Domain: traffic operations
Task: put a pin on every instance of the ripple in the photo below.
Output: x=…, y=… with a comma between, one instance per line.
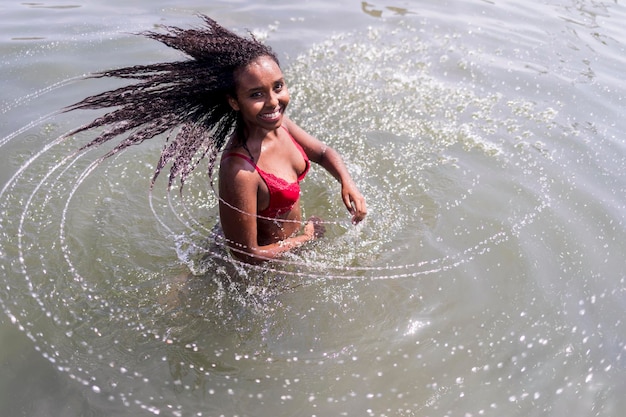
x=92, y=258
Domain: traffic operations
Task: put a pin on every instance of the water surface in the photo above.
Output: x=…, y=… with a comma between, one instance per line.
x=488, y=278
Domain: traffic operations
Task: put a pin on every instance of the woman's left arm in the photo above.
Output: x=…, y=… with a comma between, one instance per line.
x=330, y=159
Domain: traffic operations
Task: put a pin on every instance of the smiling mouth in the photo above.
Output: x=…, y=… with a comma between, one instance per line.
x=271, y=116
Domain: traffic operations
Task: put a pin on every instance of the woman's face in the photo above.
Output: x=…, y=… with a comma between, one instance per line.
x=262, y=95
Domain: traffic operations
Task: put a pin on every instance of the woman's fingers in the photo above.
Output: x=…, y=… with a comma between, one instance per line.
x=356, y=206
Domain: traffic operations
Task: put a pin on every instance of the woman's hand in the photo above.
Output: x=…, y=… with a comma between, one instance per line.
x=314, y=228
x=354, y=201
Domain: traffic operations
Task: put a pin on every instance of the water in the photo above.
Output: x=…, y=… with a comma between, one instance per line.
x=487, y=280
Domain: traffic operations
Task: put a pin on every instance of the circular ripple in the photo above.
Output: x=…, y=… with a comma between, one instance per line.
x=91, y=256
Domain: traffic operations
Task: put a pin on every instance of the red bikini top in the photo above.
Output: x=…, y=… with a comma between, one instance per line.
x=283, y=195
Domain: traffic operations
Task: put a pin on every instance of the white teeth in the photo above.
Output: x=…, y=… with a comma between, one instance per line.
x=271, y=115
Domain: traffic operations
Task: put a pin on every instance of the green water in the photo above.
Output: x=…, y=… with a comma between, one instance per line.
x=488, y=278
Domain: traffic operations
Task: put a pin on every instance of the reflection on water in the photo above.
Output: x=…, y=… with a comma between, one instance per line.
x=373, y=11
x=48, y=6
x=487, y=279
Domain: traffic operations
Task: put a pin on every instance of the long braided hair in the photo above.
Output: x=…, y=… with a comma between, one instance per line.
x=187, y=97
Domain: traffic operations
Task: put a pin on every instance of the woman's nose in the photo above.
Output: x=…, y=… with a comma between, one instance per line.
x=273, y=99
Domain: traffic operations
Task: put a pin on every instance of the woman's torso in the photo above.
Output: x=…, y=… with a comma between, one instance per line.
x=280, y=165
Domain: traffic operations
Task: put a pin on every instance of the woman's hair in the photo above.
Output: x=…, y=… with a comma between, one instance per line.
x=187, y=98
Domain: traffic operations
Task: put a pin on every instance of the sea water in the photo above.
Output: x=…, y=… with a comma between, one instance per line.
x=487, y=280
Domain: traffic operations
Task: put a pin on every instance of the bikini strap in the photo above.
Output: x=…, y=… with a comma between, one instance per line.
x=244, y=157
x=306, y=158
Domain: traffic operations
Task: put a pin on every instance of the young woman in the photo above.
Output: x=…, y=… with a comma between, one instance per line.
x=230, y=94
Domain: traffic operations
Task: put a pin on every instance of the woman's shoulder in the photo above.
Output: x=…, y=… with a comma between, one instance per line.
x=237, y=174
x=234, y=148
x=234, y=160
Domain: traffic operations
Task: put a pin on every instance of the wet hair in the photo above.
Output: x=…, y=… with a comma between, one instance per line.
x=188, y=99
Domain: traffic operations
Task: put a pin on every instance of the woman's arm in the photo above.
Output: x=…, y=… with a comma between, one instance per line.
x=330, y=159
x=238, y=188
